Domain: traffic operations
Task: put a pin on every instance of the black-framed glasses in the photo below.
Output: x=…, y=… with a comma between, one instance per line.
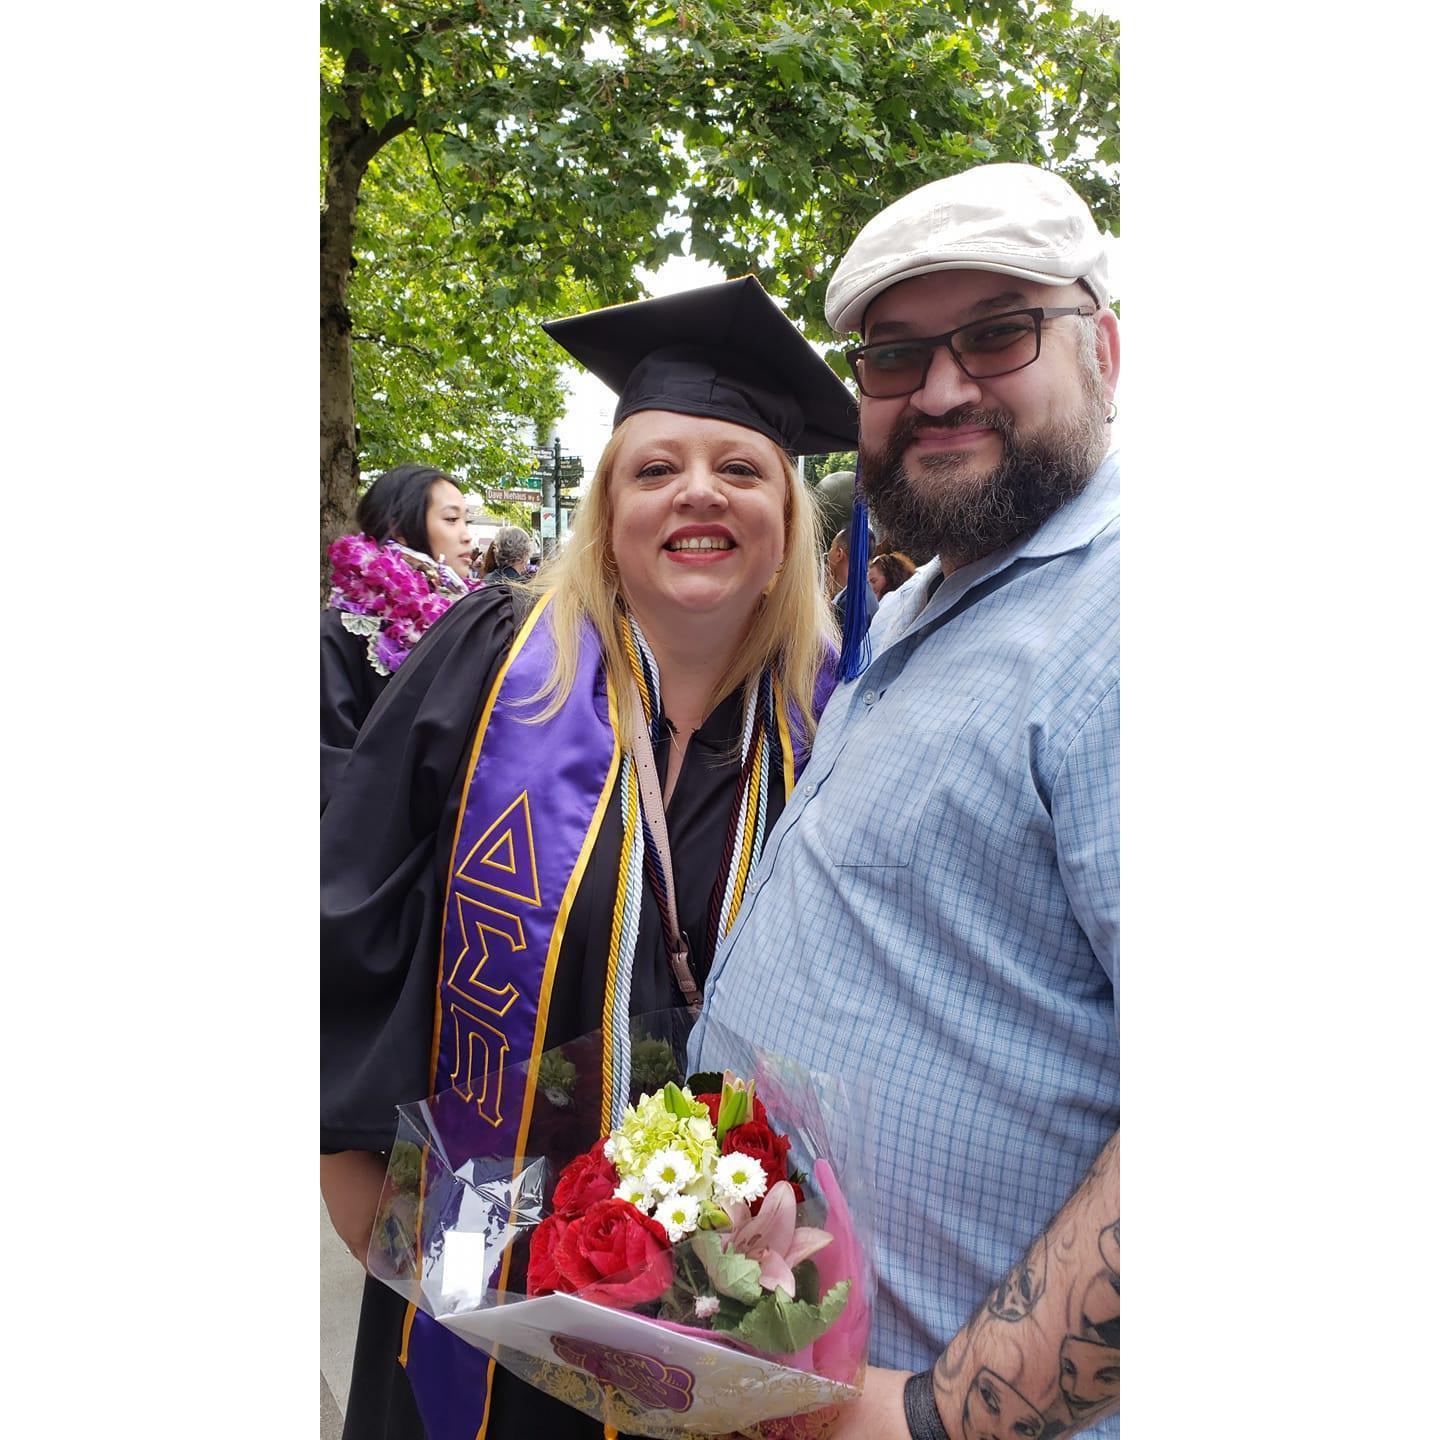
x=983, y=349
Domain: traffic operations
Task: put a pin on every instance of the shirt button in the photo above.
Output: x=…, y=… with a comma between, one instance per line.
x=868, y=697
x=809, y=791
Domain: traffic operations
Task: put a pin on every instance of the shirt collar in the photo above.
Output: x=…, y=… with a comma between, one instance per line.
x=1072, y=527
x=1076, y=523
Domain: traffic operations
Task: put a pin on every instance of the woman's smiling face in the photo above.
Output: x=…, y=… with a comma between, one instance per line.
x=698, y=514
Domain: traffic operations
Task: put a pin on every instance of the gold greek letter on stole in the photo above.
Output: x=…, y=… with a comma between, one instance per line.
x=501, y=862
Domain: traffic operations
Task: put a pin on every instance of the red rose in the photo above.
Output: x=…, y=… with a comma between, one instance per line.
x=614, y=1255
x=586, y=1180
x=760, y=1141
x=542, y=1278
x=712, y=1104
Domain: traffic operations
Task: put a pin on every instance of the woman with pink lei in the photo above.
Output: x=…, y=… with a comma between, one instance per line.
x=389, y=584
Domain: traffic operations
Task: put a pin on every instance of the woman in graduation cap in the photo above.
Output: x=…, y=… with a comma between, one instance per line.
x=483, y=856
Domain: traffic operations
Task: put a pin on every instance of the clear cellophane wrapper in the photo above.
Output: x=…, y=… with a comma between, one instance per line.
x=458, y=1224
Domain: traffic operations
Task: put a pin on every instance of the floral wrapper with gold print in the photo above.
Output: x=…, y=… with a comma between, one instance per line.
x=671, y=1253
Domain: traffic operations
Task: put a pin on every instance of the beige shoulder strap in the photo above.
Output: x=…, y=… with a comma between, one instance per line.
x=651, y=801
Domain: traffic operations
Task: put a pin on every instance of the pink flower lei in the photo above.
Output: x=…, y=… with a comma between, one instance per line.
x=390, y=595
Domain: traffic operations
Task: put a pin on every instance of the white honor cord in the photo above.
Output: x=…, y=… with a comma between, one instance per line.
x=632, y=883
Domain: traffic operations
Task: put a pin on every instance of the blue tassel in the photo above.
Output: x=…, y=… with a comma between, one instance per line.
x=855, y=635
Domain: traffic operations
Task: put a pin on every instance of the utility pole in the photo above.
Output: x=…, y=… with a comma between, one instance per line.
x=548, y=544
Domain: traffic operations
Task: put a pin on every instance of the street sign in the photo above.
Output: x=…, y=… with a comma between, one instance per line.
x=547, y=523
x=572, y=471
x=516, y=496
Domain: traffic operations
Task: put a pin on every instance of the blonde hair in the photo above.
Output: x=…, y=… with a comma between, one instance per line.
x=793, y=629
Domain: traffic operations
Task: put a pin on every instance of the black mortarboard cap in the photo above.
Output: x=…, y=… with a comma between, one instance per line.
x=724, y=351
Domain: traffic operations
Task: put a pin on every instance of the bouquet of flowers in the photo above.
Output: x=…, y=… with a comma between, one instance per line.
x=682, y=1273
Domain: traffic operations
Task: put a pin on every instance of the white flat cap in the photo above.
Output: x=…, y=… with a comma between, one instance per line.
x=1012, y=219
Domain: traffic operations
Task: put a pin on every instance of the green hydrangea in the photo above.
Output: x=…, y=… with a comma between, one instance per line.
x=669, y=1119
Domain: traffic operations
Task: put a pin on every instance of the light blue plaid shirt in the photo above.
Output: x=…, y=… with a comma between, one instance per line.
x=938, y=910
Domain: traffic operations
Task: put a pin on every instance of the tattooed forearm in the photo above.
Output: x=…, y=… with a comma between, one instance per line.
x=1040, y=1358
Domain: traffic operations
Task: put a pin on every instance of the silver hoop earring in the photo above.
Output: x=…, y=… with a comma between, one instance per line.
x=1110, y=418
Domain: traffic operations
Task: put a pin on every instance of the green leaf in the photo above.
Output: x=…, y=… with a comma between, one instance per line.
x=807, y=1282
x=730, y=1315
x=781, y=1326
x=737, y=1276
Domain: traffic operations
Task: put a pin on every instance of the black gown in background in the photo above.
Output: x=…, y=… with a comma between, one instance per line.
x=349, y=687
x=385, y=849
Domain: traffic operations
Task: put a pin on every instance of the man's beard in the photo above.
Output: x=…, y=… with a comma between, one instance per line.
x=962, y=515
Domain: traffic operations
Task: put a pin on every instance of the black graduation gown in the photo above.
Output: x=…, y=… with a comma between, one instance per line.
x=385, y=843
x=349, y=687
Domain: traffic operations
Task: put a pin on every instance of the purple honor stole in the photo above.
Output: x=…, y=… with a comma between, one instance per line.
x=532, y=805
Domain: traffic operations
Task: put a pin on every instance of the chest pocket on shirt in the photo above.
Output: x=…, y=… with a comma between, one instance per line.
x=887, y=776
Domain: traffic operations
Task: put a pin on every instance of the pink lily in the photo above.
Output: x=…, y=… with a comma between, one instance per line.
x=772, y=1238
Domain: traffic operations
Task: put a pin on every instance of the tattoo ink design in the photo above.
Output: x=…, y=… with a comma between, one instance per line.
x=1110, y=1249
x=1100, y=1310
x=1060, y=1370
x=997, y=1411
x=1089, y=1375
x=1100, y=1306
x=1015, y=1298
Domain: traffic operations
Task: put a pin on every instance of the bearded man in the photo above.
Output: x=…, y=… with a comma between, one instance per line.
x=958, y=946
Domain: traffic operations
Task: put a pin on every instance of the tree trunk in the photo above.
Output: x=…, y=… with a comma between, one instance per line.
x=339, y=460
x=353, y=143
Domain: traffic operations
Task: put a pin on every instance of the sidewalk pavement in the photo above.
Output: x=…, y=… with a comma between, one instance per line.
x=341, y=1281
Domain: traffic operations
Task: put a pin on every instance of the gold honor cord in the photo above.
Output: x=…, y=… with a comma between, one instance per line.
x=632, y=653
x=751, y=826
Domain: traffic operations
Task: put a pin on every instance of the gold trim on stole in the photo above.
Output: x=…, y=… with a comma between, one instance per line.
x=515, y=647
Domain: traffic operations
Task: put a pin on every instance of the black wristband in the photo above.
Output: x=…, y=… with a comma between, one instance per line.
x=922, y=1414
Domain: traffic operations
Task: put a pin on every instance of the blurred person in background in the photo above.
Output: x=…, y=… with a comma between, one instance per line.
x=389, y=584
x=889, y=572
x=837, y=574
x=835, y=498
x=512, y=555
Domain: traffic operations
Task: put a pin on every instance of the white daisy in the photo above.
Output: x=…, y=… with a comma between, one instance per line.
x=669, y=1171
x=636, y=1192
x=679, y=1214
x=739, y=1177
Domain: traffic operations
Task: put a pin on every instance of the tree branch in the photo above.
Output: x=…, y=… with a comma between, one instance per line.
x=386, y=343
x=368, y=146
x=435, y=176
